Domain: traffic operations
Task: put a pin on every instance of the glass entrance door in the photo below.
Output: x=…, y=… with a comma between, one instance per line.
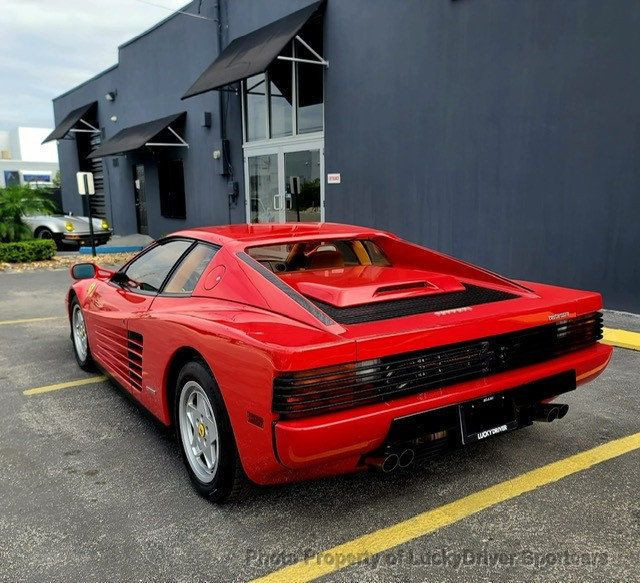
x=302, y=186
x=284, y=183
x=263, y=189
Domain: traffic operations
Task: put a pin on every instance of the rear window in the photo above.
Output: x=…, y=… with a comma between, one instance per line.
x=310, y=255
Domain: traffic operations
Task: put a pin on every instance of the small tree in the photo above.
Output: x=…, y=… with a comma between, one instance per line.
x=16, y=202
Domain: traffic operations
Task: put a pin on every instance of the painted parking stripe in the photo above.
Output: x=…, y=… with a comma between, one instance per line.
x=621, y=338
x=67, y=385
x=364, y=547
x=29, y=320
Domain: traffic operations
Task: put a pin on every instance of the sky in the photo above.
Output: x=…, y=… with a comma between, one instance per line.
x=49, y=46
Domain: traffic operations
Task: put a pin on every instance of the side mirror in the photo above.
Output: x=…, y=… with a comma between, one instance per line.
x=120, y=278
x=83, y=271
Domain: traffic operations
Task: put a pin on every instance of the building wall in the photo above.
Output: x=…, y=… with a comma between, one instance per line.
x=153, y=72
x=22, y=151
x=22, y=166
x=505, y=133
x=26, y=144
x=92, y=90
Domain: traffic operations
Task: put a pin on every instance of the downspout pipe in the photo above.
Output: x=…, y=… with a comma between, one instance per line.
x=223, y=128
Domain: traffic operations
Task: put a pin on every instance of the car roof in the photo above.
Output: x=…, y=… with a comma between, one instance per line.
x=246, y=235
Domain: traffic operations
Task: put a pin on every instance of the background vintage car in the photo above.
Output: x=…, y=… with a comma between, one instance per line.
x=68, y=229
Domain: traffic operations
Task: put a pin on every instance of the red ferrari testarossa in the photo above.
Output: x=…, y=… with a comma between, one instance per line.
x=292, y=351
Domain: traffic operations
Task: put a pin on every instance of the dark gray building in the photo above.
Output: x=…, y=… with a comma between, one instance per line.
x=504, y=133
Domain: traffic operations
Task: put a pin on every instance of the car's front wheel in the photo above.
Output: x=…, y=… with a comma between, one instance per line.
x=79, y=336
x=204, y=431
x=47, y=234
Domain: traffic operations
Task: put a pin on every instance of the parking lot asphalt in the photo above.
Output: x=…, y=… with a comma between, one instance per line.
x=93, y=489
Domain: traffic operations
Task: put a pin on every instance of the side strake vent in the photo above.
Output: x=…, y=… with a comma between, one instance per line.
x=472, y=295
x=315, y=391
x=134, y=359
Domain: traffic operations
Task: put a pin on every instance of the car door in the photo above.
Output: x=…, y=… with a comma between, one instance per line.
x=175, y=298
x=113, y=308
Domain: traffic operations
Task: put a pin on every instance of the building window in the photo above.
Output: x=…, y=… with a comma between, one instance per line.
x=12, y=178
x=310, y=94
x=255, y=93
x=288, y=99
x=171, y=186
x=281, y=81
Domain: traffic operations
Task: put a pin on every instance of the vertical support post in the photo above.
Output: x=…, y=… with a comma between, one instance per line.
x=93, y=241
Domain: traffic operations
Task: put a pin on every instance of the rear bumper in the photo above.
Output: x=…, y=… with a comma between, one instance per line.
x=339, y=439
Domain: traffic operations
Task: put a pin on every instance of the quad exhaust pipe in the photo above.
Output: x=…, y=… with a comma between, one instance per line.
x=392, y=460
x=548, y=412
x=402, y=455
x=383, y=463
x=405, y=459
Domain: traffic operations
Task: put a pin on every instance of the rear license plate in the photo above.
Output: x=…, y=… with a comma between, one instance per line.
x=486, y=417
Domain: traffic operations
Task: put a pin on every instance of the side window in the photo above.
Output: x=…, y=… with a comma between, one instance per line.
x=186, y=276
x=376, y=255
x=151, y=268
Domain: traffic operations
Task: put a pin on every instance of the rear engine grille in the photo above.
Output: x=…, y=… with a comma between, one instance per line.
x=339, y=387
x=472, y=295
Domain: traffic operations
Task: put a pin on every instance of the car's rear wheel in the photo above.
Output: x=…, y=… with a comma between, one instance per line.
x=204, y=431
x=79, y=337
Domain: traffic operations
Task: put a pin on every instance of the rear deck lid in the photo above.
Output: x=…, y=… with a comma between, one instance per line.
x=364, y=284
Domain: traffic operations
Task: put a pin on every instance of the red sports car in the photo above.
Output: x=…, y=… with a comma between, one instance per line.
x=292, y=351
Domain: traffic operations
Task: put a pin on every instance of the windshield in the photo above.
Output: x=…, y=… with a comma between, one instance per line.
x=311, y=255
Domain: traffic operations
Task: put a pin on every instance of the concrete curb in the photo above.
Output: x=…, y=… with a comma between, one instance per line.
x=109, y=249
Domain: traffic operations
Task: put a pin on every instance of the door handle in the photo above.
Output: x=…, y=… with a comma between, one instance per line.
x=278, y=202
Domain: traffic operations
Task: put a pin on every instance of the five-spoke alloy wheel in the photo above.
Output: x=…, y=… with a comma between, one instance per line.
x=79, y=336
x=204, y=431
x=199, y=431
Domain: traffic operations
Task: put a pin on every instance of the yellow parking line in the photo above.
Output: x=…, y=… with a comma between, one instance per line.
x=364, y=547
x=67, y=385
x=28, y=320
x=621, y=338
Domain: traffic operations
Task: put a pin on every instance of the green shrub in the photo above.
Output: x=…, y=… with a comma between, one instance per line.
x=16, y=202
x=26, y=251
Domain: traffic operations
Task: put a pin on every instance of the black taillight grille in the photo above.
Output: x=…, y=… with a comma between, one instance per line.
x=338, y=387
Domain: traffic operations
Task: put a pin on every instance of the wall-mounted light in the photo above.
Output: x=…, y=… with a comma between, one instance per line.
x=114, y=118
x=111, y=96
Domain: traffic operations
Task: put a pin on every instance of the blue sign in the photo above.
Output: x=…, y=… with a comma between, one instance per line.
x=36, y=177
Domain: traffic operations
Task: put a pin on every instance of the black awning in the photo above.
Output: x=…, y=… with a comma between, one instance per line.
x=252, y=53
x=144, y=134
x=68, y=123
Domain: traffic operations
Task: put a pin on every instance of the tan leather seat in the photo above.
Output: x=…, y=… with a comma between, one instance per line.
x=325, y=260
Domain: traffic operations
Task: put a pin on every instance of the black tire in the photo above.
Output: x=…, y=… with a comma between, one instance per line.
x=47, y=234
x=86, y=363
x=229, y=481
